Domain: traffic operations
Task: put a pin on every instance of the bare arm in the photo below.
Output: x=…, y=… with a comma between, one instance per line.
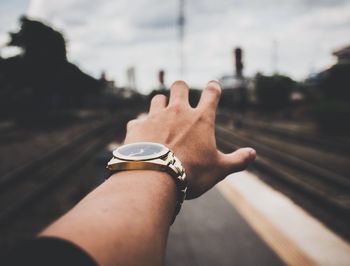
x=121, y=222
x=126, y=220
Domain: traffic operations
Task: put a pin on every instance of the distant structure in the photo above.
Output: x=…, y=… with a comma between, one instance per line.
x=235, y=85
x=332, y=83
x=103, y=77
x=343, y=55
x=131, y=78
x=238, y=54
x=181, y=24
x=108, y=86
x=161, y=89
x=329, y=89
x=161, y=75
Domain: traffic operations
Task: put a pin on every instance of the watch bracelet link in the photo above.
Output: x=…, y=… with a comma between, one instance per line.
x=180, y=180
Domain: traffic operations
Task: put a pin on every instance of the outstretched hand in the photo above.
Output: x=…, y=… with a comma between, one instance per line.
x=190, y=134
x=121, y=222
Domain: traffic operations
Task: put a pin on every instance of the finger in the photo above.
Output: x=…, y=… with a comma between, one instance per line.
x=238, y=160
x=210, y=96
x=158, y=103
x=131, y=124
x=179, y=93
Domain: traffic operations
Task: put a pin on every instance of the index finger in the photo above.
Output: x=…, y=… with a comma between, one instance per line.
x=210, y=96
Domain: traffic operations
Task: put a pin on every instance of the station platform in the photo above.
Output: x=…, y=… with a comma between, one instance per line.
x=243, y=221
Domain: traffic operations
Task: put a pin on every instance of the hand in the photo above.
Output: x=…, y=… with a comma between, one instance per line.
x=190, y=134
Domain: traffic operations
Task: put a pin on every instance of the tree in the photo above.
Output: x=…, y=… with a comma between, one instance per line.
x=273, y=92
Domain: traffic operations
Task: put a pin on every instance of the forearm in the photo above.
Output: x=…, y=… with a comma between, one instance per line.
x=125, y=221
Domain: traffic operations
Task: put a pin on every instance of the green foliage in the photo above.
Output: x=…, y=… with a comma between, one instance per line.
x=273, y=92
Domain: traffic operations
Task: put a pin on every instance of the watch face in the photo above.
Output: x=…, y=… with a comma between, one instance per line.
x=140, y=151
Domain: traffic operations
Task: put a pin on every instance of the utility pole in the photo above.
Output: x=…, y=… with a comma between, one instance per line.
x=130, y=72
x=181, y=24
x=274, y=57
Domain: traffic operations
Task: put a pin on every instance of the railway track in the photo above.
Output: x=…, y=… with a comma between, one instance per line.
x=29, y=183
x=327, y=143
x=10, y=131
x=322, y=192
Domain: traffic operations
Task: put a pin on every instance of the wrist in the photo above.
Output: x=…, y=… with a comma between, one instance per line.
x=156, y=187
x=151, y=156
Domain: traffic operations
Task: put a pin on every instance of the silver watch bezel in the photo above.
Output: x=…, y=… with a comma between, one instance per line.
x=120, y=156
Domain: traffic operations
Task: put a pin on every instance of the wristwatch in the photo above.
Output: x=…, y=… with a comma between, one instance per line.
x=151, y=156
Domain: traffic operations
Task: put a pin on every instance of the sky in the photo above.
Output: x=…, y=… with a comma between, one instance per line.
x=294, y=37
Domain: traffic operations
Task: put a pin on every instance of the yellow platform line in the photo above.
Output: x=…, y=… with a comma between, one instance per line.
x=285, y=248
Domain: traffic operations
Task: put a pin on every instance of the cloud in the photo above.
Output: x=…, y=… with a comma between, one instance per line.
x=113, y=35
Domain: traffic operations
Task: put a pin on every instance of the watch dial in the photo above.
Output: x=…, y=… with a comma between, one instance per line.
x=142, y=150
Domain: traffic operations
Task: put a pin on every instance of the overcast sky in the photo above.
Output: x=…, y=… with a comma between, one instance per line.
x=113, y=35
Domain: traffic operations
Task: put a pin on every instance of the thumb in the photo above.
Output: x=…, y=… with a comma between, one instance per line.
x=239, y=159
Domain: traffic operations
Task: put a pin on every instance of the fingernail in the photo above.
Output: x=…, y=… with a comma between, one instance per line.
x=214, y=81
x=252, y=154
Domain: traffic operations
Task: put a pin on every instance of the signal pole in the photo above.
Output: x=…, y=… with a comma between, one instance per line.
x=181, y=24
x=238, y=54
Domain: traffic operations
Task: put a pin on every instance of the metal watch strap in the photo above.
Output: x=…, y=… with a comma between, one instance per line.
x=180, y=180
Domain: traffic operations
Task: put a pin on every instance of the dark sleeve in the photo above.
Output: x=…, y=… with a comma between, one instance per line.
x=48, y=251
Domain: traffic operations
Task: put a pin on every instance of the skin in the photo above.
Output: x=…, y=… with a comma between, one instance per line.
x=126, y=220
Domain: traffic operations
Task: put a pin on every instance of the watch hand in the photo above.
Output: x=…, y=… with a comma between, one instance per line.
x=136, y=153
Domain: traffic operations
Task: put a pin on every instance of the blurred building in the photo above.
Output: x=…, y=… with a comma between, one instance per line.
x=108, y=86
x=343, y=55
